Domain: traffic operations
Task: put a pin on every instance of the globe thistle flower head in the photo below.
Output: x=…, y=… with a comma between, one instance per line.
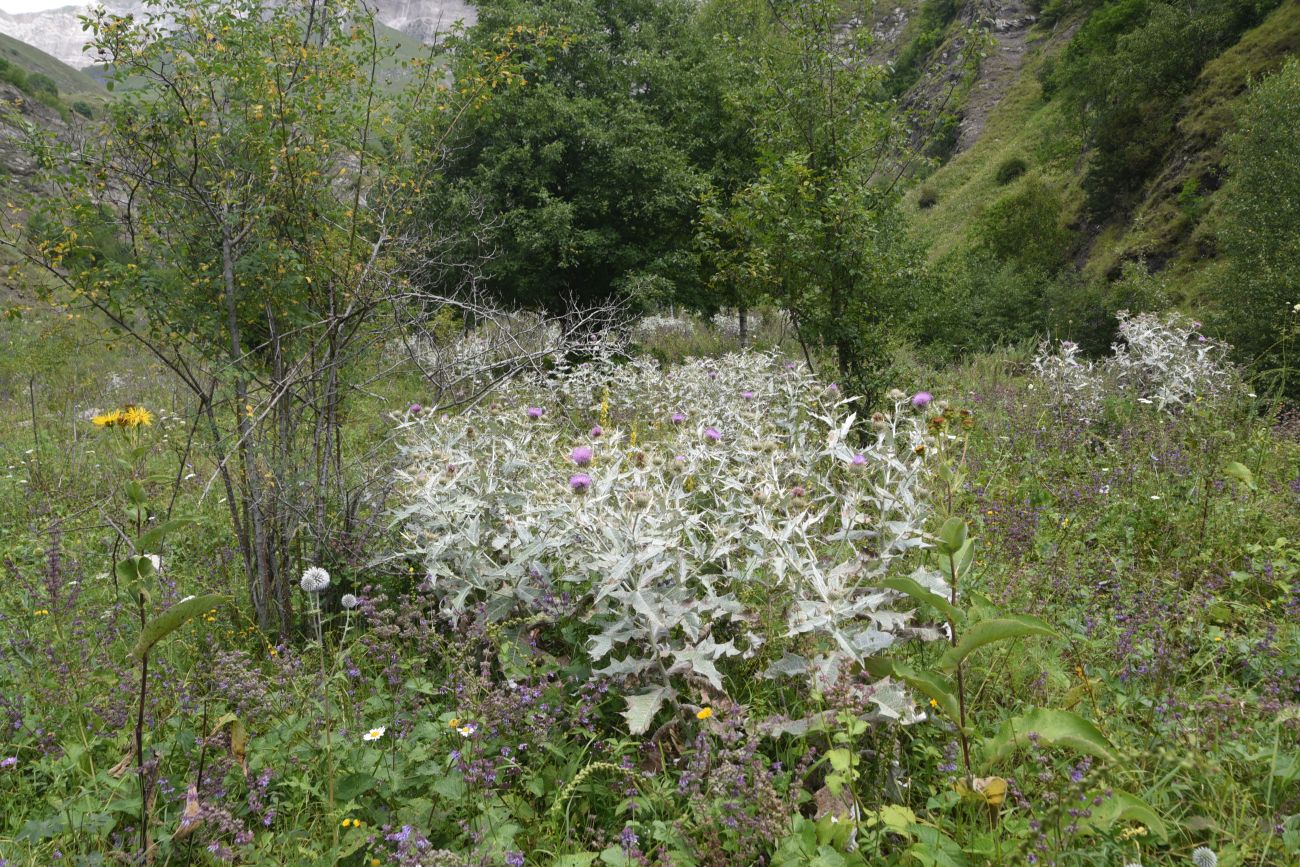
x=922, y=399
x=416, y=409
x=535, y=412
x=314, y=580
x=679, y=417
x=581, y=455
x=1204, y=857
x=580, y=483
x=713, y=374
x=712, y=434
x=597, y=432
x=858, y=463
x=349, y=601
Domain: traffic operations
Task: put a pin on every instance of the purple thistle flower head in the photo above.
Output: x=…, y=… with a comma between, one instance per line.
x=535, y=412
x=798, y=492
x=713, y=374
x=858, y=461
x=747, y=394
x=712, y=434
x=833, y=388
x=790, y=365
x=597, y=432
x=922, y=399
x=581, y=455
x=580, y=483
x=416, y=409
x=679, y=417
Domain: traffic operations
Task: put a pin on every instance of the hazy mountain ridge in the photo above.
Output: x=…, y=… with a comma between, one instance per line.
x=59, y=33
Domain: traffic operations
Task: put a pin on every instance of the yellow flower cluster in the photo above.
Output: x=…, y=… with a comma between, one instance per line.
x=355, y=823
x=129, y=416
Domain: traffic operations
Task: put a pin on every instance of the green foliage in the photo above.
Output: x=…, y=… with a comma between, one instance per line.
x=1025, y=227
x=1262, y=205
x=1126, y=73
x=1010, y=169
x=585, y=164
x=929, y=31
x=41, y=85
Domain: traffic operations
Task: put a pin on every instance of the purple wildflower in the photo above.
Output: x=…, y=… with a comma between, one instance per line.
x=747, y=394
x=580, y=482
x=8, y=762
x=416, y=409
x=712, y=434
x=581, y=455
x=514, y=859
x=535, y=412
x=858, y=462
x=922, y=399
x=679, y=417
x=597, y=432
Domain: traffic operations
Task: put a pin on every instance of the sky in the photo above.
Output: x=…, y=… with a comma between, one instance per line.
x=34, y=5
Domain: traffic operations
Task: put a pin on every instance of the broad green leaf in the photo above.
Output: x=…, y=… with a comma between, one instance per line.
x=135, y=492
x=641, y=709
x=580, y=859
x=1125, y=807
x=1053, y=728
x=989, y=631
x=151, y=540
x=172, y=619
x=840, y=759
x=940, y=692
x=1241, y=473
x=913, y=589
x=353, y=785
x=952, y=535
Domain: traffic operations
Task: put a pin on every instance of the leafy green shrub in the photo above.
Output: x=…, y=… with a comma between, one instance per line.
x=1010, y=169
x=935, y=17
x=927, y=198
x=12, y=74
x=83, y=108
x=1262, y=203
x=40, y=84
x=1025, y=227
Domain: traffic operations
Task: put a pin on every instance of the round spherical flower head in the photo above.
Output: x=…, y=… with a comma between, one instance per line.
x=922, y=399
x=416, y=409
x=713, y=374
x=580, y=483
x=535, y=412
x=374, y=734
x=581, y=455
x=712, y=434
x=858, y=462
x=679, y=417
x=597, y=432
x=747, y=394
x=315, y=580
x=798, y=492
x=349, y=601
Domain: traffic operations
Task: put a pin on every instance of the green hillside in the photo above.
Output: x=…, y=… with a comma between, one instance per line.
x=1037, y=139
x=72, y=83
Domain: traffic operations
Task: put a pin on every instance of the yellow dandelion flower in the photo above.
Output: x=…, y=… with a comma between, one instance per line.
x=704, y=713
x=454, y=723
x=107, y=419
x=136, y=416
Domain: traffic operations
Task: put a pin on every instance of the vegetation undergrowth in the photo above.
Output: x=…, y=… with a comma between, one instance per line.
x=643, y=614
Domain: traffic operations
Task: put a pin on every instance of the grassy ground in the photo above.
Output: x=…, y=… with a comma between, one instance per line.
x=1172, y=585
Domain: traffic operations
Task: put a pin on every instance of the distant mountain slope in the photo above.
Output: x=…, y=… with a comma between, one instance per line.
x=58, y=31
x=1172, y=224
x=71, y=82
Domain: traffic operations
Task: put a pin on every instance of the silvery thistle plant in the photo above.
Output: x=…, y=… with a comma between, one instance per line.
x=698, y=486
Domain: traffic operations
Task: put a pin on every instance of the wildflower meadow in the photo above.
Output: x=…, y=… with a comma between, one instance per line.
x=1033, y=610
